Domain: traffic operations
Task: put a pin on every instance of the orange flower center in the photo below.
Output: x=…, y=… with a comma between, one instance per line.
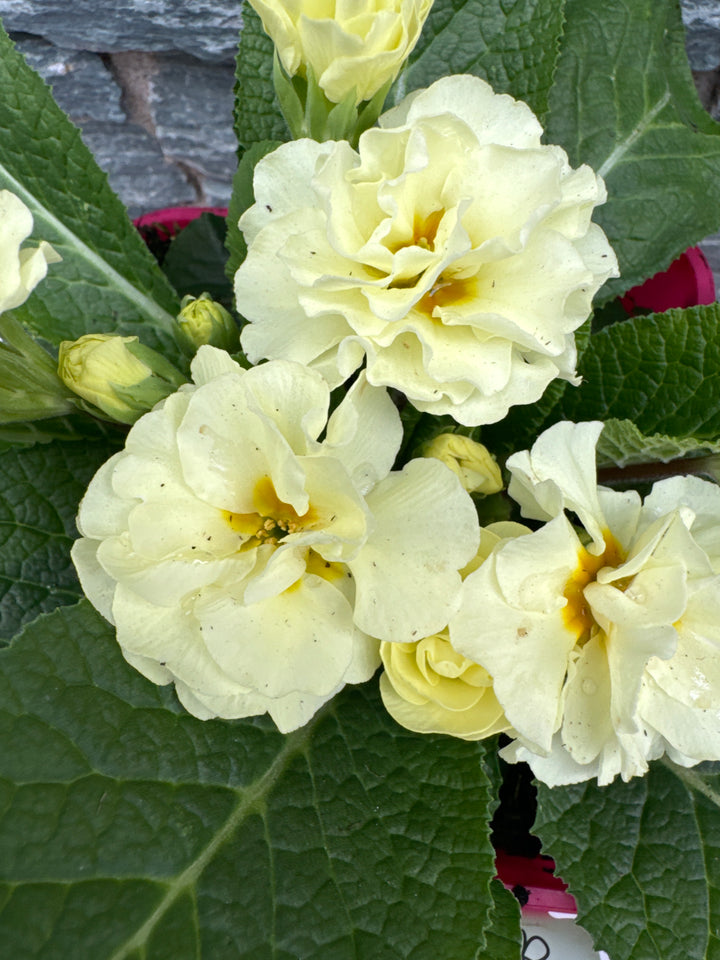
x=577, y=614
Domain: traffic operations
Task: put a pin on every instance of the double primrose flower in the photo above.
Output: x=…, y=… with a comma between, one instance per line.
x=352, y=48
x=254, y=564
x=453, y=253
x=602, y=639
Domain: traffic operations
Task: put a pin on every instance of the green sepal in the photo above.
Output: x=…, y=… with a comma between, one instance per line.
x=309, y=113
x=31, y=388
x=290, y=99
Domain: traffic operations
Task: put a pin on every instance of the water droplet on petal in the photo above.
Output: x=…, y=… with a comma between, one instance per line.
x=589, y=686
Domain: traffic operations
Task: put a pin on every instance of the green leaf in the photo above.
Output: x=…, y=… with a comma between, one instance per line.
x=257, y=111
x=78, y=427
x=129, y=829
x=622, y=444
x=40, y=490
x=624, y=102
x=504, y=939
x=242, y=198
x=642, y=860
x=107, y=280
x=513, y=44
x=195, y=262
x=661, y=371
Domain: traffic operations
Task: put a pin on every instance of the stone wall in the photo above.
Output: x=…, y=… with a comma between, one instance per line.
x=149, y=82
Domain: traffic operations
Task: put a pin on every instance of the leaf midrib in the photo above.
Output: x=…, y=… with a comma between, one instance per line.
x=149, y=307
x=248, y=800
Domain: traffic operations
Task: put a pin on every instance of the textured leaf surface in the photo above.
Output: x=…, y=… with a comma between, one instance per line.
x=513, y=44
x=623, y=101
x=107, y=280
x=504, y=939
x=79, y=427
x=642, y=860
x=623, y=444
x=131, y=830
x=37, y=526
x=257, y=111
x=661, y=371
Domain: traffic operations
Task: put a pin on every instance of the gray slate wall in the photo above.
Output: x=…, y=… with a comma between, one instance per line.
x=149, y=82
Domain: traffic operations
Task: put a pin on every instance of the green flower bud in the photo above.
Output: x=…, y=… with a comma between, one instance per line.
x=468, y=459
x=202, y=321
x=117, y=375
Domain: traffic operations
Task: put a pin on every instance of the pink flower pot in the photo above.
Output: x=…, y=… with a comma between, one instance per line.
x=687, y=282
x=171, y=220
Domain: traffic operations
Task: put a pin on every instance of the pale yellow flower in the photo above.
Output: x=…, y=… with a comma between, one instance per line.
x=453, y=254
x=430, y=688
x=350, y=45
x=469, y=460
x=604, y=646
x=21, y=268
x=118, y=375
x=253, y=564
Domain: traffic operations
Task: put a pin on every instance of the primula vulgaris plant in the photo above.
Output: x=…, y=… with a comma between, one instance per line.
x=403, y=446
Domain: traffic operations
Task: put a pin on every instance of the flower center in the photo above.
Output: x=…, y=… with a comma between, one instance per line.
x=425, y=229
x=273, y=520
x=424, y=232
x=577, y=614
x=448, y=292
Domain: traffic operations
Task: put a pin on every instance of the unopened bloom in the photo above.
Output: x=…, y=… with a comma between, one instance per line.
x=472, y=462
x=118, y=375
x=356, y=46
x=603, y=644
x=428, y=687
x=453, y=252
x=252, y=563
x=21, y=268
x=202, y=320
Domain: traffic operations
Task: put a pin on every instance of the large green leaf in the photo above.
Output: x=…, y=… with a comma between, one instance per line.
x=513, y=44
x=107, y=280
x=623, y=101
x=37, y=526
x=622, y=444
x=642, y=860
x=504, y=939
x=661, y=371
x=132, y=831
x=195, y=261
x=257, y=112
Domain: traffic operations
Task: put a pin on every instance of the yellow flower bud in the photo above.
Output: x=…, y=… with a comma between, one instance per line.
x=118, y=375
x=469, y=460
x=357, y=47
x=429, y=687
x=202, y=320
